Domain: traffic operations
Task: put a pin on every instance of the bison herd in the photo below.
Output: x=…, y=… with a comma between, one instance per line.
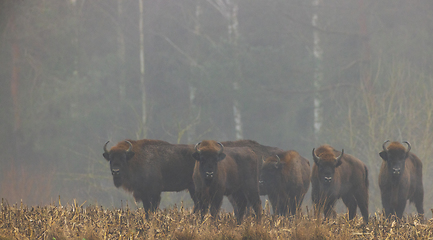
x=243, y=170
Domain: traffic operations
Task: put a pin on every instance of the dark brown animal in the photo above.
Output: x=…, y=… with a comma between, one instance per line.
x=262, y=151
x=148, y=167
x=222, y=172
x=338, y=175
x=285, y=178
x=400, y=179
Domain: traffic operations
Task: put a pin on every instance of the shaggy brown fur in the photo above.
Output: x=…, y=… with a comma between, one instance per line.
x=400, y=179
x=151, y=167
x=285, y=178
x=337, y=175
x=222, y=172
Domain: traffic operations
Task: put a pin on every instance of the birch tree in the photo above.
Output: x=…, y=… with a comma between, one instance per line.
x=229, y=10
x=142, y=132
x=318, y=72
x=121, y=50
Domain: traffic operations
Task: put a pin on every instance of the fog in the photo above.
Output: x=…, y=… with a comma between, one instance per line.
x=292, y=74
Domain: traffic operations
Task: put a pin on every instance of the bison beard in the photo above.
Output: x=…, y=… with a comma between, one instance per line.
x=285, y=178
x=148, y=167
x=400, y=179
x=223, y=171
x=335, y=177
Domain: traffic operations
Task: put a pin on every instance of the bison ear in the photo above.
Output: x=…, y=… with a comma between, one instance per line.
x=106, y=156
x=221, y=156
x=196, y=156
x=384, y=155
x=129, y=155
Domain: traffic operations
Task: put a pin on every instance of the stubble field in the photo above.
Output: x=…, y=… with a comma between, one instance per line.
x=75, y=221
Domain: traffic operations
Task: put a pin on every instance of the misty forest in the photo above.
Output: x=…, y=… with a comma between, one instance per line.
x=293, y=74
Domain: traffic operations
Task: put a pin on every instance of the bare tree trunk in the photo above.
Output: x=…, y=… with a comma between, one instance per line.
x=121, y=50
x=233, y=37
x=142, y=133
x=229, y=10
x=14, y=89
x=318, y=73
x=191, y=134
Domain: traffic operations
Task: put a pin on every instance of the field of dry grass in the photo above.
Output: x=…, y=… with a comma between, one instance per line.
x=93, y=222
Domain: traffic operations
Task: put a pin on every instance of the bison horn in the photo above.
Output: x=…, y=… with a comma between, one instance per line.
x=105, y=147
x=408, y=146
x=130, y=146
x=341, y=155
x=277, y=164
x=279, y=160
x=383, y=146
x=315, y=157
x=196, y=146
x=222, y=148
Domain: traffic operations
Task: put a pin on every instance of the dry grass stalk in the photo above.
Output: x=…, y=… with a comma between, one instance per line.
x=91, y=222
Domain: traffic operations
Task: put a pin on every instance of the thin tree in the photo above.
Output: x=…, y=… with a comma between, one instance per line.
x=142, y=132
x=318, y=71
x=15, y=85
x=229, y=10
x=121, y=50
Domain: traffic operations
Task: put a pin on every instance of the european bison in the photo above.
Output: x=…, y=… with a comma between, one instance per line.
x=285, y=178
x=148, y=167
x=400, y=179
x=222, y=172
x=262, y=151
x=335, y=177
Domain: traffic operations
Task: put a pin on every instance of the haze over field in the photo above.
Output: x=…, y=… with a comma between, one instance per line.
x=293, y=74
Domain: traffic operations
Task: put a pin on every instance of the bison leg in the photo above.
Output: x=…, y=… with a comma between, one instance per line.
x=273, y=198
x=362, y=201
x=283, y=205
x=295, y=203
x=350, y=202
x=328, y=210
x=191, y=191
x=386, y=204
x=151, y=203
x=400, y=207
x=253, y=197
x=215, y=204
x=240, y=202
x=418, y=199
x=257, y=205
x=202, y=203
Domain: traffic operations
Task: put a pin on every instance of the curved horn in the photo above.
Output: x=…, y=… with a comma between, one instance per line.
x=315, y=157
x=105, y=147
x=341, y=155
x=279, y=160
x=196, y=146
x=222, y=148
x=130, y=146
x=408, y=146
x=383, y=146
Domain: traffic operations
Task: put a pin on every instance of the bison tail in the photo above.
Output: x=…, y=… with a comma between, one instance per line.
x=366, y=176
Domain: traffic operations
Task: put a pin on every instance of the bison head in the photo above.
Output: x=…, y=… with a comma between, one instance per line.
x=118, y=159
x=327, y=163
x=395, y=156
x=208, y=154
x=268, y=176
